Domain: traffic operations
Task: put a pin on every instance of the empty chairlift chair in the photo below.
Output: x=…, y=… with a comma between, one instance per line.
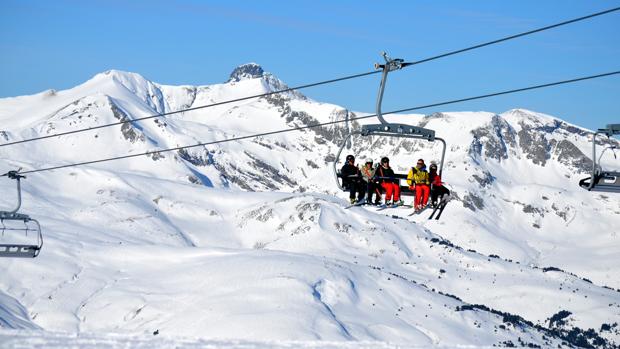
x=20, y=235
x=386, y=129
x=600, y=180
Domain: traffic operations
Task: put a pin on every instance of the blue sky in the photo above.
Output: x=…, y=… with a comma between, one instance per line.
x=59, y=44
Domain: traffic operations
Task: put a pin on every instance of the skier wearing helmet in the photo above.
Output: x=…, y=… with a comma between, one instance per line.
x=388, y=182
x=437, y=188
x=352, y=180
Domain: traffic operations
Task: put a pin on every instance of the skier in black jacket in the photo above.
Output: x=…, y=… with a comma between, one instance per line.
x=438, y=190
x=389, y=183
x=352, y=180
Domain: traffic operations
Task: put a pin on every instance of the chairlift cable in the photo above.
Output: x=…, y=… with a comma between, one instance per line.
x=316, y=83
x=323, y=124
x=511, y=37
x=508, y=92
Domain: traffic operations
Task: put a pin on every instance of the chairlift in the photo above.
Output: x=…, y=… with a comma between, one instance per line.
x=601, y=180
x=387, y=129
x=23, y=231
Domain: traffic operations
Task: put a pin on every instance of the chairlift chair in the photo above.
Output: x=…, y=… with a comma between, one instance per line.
x=600, y=180
x=386, y=129
x=23, y=231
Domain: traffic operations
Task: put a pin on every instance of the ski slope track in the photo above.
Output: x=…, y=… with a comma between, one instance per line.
x=248, y=244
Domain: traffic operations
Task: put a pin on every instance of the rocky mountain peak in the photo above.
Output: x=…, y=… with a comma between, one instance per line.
x=246, y=71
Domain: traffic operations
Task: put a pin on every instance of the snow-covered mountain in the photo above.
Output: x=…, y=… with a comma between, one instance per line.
x=251, y=239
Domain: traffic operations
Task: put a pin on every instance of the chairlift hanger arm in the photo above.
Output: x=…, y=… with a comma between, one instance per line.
x=390, y=65
x=338, y=156
x=609, y=131
x=15, y=175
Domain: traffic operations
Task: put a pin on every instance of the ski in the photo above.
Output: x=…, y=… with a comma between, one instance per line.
x=361, y=203
x=418, y=212
x=434, y=211
x=441, y=208
x=382, y=207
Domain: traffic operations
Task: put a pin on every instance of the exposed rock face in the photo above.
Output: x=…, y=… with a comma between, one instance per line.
x=340, y=131
x=155, y=155
x=430, y=117
x=558, y=126
x=485, y=180
x=257, y=175
x=194, y=159
x=246, y=71
x=81, y=112
x=534, y=210
x=538, y=140
x=88, y=111
x=473, y=202
x=569, y=155
x=494, y=139
x=127, y=129
x=293, y=118
x=270, y=174
x=4, y=135
x=281, y=102
x=254, y=71
x=534, y=145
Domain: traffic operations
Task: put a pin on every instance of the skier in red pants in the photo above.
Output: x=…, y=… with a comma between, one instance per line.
x=386, y=178
x=418, y=178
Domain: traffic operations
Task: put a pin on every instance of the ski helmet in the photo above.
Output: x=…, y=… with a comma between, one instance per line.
x=350, y=158
x=368, y=161
x=385, y=160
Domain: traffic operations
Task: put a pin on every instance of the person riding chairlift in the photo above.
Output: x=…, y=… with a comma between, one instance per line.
x=352, y=180
x=418, y=179
x=437, y=188
x=388, y=182
x=372, y=185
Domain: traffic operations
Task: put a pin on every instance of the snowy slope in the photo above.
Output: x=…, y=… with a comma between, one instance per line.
x=250, y=240
x=30, y=339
